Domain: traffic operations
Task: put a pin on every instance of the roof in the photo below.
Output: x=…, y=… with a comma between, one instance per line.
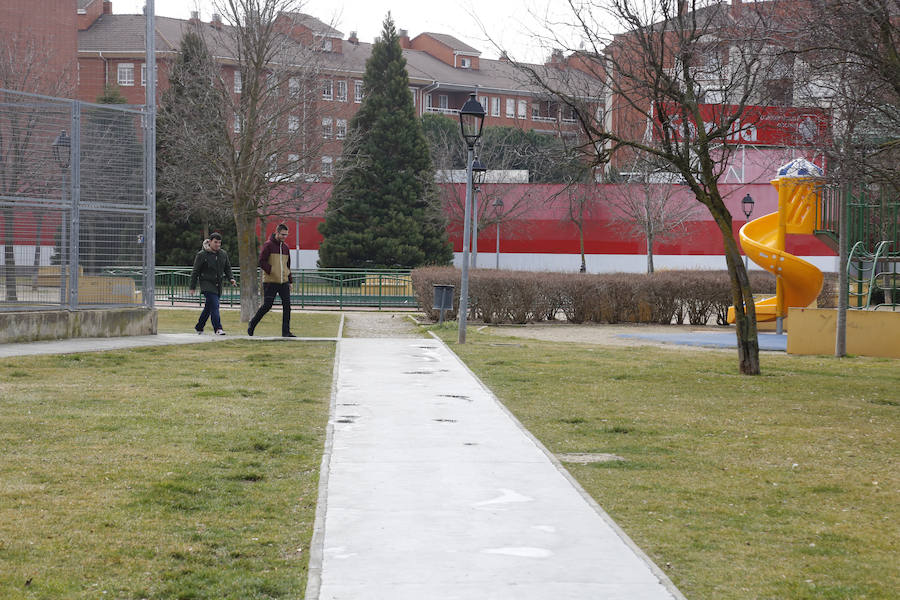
x=314, y=24
x=82, y=4
x=451, y=42
x=125, y=33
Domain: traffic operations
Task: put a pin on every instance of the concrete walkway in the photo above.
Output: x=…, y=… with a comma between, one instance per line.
x=431, y=490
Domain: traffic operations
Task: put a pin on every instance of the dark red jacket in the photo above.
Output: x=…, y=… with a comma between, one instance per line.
x=275, y=261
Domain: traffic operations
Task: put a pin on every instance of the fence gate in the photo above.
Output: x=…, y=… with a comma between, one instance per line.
x=74, y=204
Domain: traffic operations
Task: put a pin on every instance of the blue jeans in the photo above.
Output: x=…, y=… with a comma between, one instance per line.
x=210, y=310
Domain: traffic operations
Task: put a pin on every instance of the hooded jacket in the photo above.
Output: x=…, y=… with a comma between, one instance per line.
x=275, y=261
x=210, y=269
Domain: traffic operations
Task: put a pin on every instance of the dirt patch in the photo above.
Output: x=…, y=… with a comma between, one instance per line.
x=380, y=325
x=606, y=335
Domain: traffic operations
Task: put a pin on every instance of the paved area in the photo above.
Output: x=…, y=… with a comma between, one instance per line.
x=712, y=339
x=431, y=489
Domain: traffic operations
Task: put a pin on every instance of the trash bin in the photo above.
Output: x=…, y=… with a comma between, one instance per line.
x=443, y=299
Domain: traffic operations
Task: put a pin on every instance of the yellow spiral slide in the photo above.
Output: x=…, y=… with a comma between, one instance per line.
x=798, y=282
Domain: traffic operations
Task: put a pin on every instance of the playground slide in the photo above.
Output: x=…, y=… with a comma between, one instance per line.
x=801, y=281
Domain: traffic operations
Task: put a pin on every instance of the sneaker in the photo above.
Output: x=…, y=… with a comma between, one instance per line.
x=250, y=329
x=288, y=334
x=199, y=331
x=220, y=332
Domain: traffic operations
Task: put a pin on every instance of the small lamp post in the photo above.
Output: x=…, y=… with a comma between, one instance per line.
x=62, y=153
x=747, y=206
x=498, y=209
x=478, y=173
x=61, y=149
x=471, y=120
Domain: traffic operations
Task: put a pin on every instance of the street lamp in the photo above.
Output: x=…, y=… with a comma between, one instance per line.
x=478, y=172
x=498, y=209
x=471, y=120
x=747, y=206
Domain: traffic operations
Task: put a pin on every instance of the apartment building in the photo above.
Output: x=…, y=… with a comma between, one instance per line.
x=442, y=70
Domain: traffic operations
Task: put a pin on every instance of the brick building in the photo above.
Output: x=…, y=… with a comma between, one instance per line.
x=442, y=70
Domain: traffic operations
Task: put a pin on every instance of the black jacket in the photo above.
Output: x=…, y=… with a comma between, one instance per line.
x=211, y=269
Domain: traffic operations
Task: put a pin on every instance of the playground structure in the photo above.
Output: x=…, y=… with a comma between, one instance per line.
x=807, y=207
x=798, y=282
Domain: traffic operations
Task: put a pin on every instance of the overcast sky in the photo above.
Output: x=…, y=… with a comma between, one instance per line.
x=507, y=22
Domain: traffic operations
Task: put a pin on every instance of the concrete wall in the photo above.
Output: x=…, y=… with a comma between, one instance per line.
x=869, y=333
x=64, y=324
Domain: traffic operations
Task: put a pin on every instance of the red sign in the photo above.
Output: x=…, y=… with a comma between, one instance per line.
x=786, y=126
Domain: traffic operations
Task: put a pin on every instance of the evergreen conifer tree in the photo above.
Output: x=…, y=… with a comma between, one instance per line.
x=382, y=212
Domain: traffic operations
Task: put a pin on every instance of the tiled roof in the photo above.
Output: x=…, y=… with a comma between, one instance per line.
x=125, y=33
x=82, y=4
x=314, y=24
x=451, y=42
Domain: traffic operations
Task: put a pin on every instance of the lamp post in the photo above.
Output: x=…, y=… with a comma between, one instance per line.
x=747, y=206
x=471, y=120
x=62, y=153
x=498, y=209
x=478, y=172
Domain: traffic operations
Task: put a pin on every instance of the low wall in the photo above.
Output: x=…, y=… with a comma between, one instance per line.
x=62, y=324
x=869, y=332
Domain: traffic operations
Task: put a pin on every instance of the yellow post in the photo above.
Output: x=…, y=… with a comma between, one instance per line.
x=785, y=195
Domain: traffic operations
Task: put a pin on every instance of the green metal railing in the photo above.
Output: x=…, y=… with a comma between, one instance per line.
x=342, y=288
x=873, y=216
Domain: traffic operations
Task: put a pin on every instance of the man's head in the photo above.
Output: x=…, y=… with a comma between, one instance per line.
x=281, y=232
x=215, y=241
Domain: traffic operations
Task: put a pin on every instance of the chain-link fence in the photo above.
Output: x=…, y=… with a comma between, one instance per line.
x=75, y=204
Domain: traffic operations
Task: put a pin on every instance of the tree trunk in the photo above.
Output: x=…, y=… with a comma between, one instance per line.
x=649, y=254
x=840, y=332
x=581, y=246
x=248, y=252
x=742, y=296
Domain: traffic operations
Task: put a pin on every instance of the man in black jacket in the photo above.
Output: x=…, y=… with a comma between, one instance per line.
x=211, y=268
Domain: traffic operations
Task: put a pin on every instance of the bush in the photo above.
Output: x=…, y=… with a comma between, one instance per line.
x=527, y=296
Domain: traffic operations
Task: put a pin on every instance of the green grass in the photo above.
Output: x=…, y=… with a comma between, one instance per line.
x=782, y=486
x=162, y=473
x=303, y=324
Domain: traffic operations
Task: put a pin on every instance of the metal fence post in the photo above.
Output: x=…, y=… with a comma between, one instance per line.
x=75, y=195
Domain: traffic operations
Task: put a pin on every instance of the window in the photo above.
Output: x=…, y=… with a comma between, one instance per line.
x=326, y=45
x=510, y=108
x=535, y=110
x=465, y=63
x=443, y=101
x=523, y=109
x=293, y=123
x=495, y=106
x=144, y=75
x=342, y=91
x=327, y=166
x=483, y=100
x=238, y=82
x=294, y=86
x=428, y=101
x=327, y=128
x=237, y=123
x=412, y=92
x=568, y=113
x=327, y=89
x=357, y=91
x=125, y=74
x=341, y=129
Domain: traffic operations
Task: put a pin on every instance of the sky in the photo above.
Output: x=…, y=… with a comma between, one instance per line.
x=509, y=23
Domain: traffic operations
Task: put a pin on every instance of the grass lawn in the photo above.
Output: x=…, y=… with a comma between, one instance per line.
x=303, y=324
x=164, y=472
x=782, y=486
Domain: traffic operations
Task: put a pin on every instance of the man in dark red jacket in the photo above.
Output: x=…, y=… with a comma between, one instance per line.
x=275, y=261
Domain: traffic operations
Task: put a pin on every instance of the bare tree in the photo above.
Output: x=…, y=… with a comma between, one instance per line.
x=27, y=64
x=685, y=71
x=258, y=147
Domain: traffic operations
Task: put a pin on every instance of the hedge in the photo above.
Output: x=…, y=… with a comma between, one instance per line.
x=664, y=297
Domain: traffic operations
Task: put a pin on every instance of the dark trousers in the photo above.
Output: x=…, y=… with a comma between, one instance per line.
x=269, y=292
x=210, y=310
